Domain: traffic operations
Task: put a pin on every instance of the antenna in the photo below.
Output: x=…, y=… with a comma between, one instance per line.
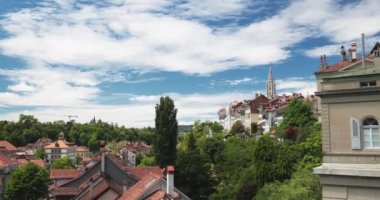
x=363, y=50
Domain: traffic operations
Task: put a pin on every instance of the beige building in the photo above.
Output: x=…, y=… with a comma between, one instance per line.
x=350, y=111
x=59, y=149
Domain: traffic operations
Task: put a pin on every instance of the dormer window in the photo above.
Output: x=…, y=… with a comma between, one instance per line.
x=368, y=84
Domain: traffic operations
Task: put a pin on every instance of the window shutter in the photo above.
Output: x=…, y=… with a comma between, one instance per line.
x=355, y=134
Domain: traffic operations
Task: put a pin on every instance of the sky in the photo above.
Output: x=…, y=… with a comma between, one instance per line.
x=114, y=59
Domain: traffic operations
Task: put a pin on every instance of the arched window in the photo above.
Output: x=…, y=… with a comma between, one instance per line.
x=371, y=133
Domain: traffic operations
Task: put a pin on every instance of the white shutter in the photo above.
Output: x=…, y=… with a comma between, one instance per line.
x=355, y=134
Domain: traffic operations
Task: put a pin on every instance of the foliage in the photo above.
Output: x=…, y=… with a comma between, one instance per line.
x=298, y=114
x=237, y=127
x=147, y=161
x=254, y=127
x=311, y=149
x=303, y=185
x=40, y=153
x=165, y=143
x=29, y=182
x=207, y=126
x=62, y=163
x=28, y=130
x=193, y=172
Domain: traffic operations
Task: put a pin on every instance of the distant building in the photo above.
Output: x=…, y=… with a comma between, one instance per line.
x=8, y=146
x=61, y=176
x=349, y=94
x=7, y=165
x=106, y=178
x=31, y=148
x=129, y=152
x=263, y=111
x=59, y=149
x=82, y=151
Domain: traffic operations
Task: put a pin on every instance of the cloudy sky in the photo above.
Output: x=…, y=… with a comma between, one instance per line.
x=113, y=59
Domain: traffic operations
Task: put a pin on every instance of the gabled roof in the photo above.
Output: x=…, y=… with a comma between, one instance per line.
x=64, y=173
x=7, y=145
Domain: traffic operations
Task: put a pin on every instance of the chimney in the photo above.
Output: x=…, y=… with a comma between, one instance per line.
x=102, y=162
x=170, y=180
x=91, y=186
x=257, y=95
x=352, y=51
x=125, y=185
x=343, y=53
x=363, y=50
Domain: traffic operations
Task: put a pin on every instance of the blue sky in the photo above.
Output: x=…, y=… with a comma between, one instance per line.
x=113, y=59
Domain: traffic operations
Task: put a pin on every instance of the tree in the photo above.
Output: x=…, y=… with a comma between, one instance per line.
x=29, y=182
x=40, y=153
x=193, y=172
x=303, y=185
x=237, y=127
x=62, y=163
x=166, y=123
x=298, y=114
x=147, y=161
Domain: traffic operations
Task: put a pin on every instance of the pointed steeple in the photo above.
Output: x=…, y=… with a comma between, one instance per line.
x=271, y=87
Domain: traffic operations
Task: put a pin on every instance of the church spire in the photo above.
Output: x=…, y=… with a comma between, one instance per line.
x=271, y=87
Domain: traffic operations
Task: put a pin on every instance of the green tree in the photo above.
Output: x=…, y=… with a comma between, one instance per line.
x=147, y=161
x=193, y=172
x=298, y=114
x=40, y=153
x=29, y=182
x=165, y=142
x=62, y=163
x=237, y=127
x=303, y=185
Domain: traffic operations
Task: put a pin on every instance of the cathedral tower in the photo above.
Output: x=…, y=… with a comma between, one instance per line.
x=271, y=87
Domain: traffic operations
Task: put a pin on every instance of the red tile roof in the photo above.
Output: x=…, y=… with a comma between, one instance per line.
x=96, y=191
x=58, y=144
x=23, y=161
x=65, y=191
x=64, y=173
x=140, y=172
x=7, y=145
x=140, y=187
x=158, y=195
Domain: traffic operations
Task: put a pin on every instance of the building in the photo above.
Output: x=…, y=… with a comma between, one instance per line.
x=83, y=152
x=59, y=149
x=271, y=86
x=61, y=176
x=107, y=178
x=350, y=111
x=7, y=165
x=31, y=148
x=8, y=146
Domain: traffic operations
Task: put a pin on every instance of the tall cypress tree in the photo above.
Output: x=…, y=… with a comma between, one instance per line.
x=166, y=132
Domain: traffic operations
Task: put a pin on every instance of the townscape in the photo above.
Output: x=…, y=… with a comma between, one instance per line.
x=180, y=100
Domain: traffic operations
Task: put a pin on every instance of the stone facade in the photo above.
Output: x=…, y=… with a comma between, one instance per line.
x=350, y=112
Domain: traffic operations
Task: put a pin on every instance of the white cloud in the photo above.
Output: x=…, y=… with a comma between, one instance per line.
x=245, y=80
x=297, y=84
x=141, y=111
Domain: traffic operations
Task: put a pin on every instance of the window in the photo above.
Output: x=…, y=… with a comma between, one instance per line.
x=368, y=84
x=371, y=133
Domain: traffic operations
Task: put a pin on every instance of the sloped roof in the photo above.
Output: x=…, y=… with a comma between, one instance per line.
x=139, y=189
x=7, y=145
x=81, y=149
x=5, y=160
x=57, y=144
x=140, y=172
x=64, y=173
